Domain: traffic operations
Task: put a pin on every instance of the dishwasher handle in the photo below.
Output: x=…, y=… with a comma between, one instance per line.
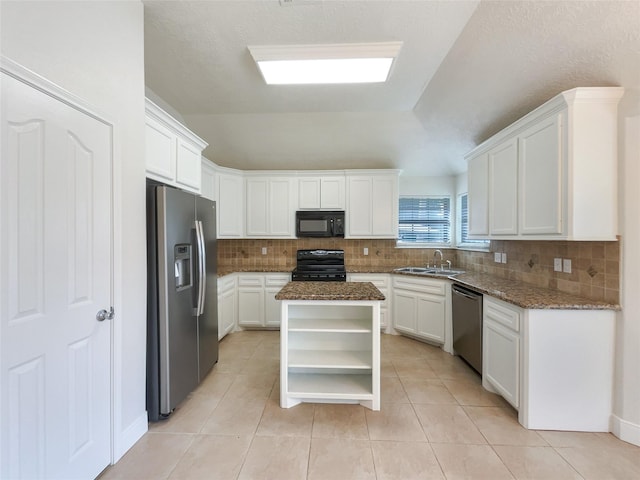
x=466, y=293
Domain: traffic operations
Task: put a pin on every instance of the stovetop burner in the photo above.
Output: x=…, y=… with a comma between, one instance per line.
x=320, y=266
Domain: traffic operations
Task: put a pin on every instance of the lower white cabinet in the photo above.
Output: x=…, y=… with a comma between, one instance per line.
x=226, y=305
x=257, y=306
x=501, y=348
x=554, y=366
x=382, y=282
x=421, y=307
x=330, y=352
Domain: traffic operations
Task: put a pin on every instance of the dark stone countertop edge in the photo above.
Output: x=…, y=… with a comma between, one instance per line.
x=327, y=291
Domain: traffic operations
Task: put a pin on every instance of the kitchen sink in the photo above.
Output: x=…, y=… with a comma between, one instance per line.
x=429, y=271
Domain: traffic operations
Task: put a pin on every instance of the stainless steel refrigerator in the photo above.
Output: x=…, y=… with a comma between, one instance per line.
x=182, y=311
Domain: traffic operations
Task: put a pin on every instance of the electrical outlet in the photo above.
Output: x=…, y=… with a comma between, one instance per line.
x=566, y=265
x=504, y=257
x=557, y=264
x=264, y=250
x=365, y=250
x=497, y=257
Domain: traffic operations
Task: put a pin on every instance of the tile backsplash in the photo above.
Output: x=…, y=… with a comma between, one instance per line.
x=595, y=265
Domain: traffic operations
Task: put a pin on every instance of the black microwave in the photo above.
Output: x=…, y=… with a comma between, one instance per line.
x=316, y=223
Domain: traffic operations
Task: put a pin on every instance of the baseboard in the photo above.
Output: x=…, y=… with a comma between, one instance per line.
x=130, y=436
x=625, y=431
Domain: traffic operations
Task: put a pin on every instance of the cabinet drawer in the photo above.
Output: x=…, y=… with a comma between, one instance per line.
x=423, y=285
x=251, y=281
x=502, y=313
x=277, y=280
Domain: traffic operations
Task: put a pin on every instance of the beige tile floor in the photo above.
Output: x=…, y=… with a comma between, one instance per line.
x=436, y=422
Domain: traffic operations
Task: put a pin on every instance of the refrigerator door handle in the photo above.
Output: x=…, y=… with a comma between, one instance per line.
x=202, y=277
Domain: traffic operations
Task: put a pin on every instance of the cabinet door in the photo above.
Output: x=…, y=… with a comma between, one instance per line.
x=257, y=206
x=251, y=306
x=430, y=317
x=160, y=151
x=501, y=360
x=309, y=193
x=280, y=212
x=230, y=205
x=272, y=307
x=332, y=193
x=540, y=168
x=359, y=219
x=227, y=312
x=188, y=166
x=404, y=311
x=384, y=206
x=478, y=195
x=503, y=171
x=208, y=181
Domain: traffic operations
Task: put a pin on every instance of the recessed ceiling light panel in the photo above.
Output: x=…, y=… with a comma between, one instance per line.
x=325, y=64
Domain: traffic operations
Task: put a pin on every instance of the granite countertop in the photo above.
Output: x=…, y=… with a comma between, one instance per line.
x=329, y=291
x=517, y=293
x=528, y=296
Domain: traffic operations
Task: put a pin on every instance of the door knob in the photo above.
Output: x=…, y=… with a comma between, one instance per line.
x=103, y=315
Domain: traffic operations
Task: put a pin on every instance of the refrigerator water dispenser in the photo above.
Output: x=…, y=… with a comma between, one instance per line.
x=182, y=265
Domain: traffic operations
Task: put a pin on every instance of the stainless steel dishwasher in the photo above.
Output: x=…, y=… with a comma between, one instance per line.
x=467, y=325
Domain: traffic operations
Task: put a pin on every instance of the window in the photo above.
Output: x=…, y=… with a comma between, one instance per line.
x=425, y=220
x=464, y=226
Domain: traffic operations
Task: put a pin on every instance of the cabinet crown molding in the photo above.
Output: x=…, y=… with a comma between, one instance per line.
x=556, y=104
x=154, y=111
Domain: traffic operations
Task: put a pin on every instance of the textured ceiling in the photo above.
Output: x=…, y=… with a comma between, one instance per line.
x=465, y=70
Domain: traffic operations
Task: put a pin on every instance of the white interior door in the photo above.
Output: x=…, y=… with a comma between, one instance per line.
x=55, y=254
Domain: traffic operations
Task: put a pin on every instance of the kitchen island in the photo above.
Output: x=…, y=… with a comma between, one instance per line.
x=330, y=343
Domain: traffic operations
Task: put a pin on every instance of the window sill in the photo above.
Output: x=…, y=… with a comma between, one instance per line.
x=424, y=245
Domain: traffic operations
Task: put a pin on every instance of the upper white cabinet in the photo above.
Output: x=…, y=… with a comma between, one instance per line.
x=552, y=175
x=321, y=192
x=503, y=200
x=372, y=204
x=230, y=203
x=173, y=152
x=478, y=194
x=269, y=207
x=208, y=179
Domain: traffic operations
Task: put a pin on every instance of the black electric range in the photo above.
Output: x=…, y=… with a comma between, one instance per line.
x=319, y=266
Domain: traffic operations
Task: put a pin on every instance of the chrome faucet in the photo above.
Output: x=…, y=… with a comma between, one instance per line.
x=435, y=263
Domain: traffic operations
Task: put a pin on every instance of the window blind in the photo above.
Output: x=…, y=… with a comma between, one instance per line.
x=425, y=220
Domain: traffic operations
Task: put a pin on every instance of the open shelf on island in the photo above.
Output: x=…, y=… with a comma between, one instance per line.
x=341, y=325
x=330, y=359
x=330, y=352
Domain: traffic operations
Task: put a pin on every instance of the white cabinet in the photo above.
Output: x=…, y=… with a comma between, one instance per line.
x=478, y=194
x=269, y=211
x=172, y=152
x=540, y=177
x=421, y=307
x=257, y=306
x=208, y=180
x=501, y=349
x=330, y=352
x=554, y=366
x=372, y=205
x=503, y=178
x=230, y=203
x=382, y=282
x=321, y=192
x=552, y=174
x=226, y=305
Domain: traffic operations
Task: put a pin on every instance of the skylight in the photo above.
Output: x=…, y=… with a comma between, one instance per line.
x=325, y=64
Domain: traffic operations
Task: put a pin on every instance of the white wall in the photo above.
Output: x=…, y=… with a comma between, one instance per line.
x=95, y=50
x=626, y=418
